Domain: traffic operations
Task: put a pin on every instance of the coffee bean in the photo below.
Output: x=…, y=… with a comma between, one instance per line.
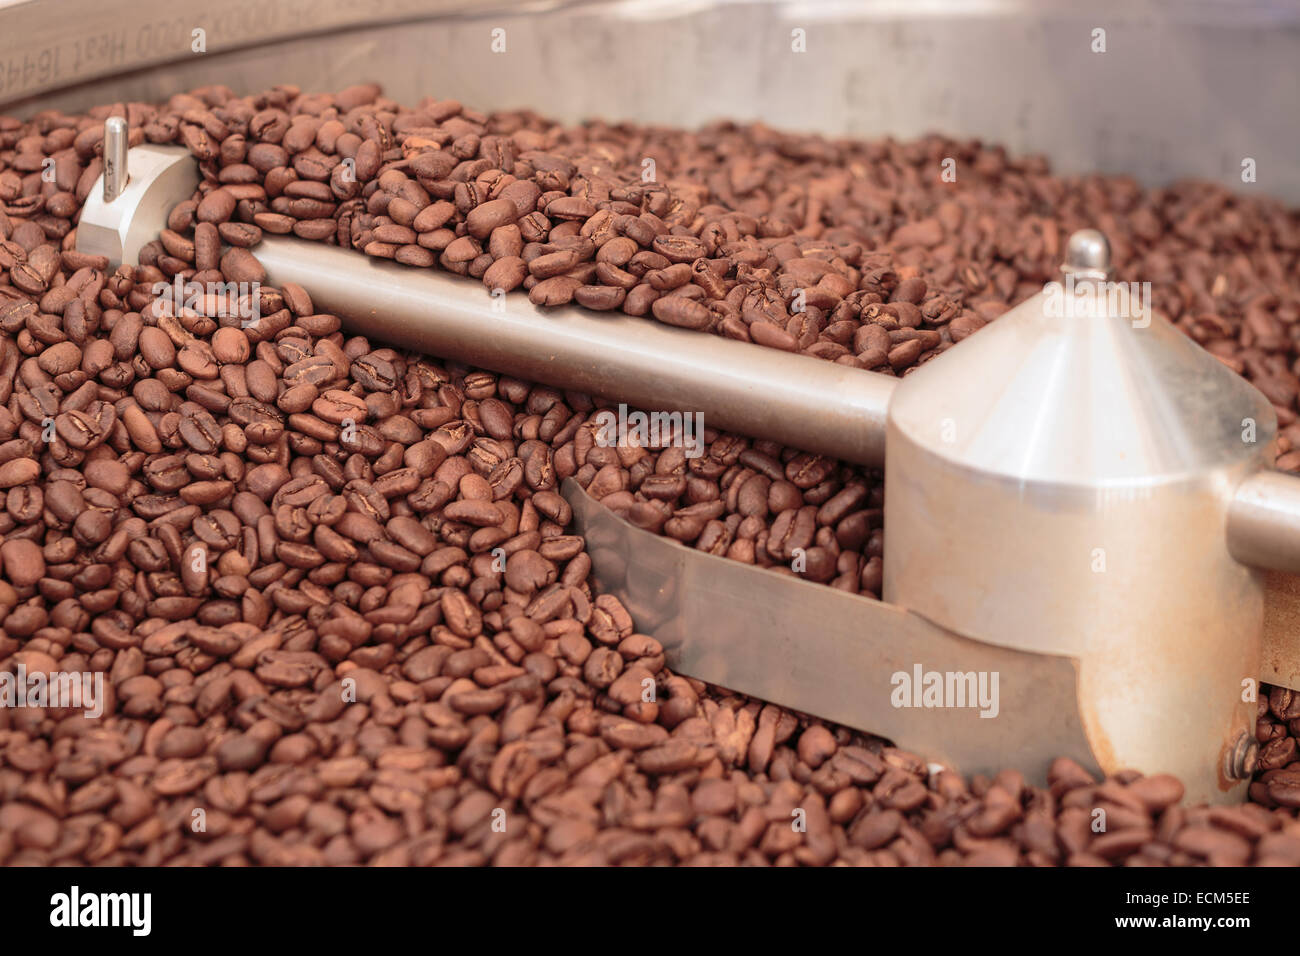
x=230, y=345
x=241, y=266
x=231, y=560
x=599, y=298
x=485, y=217
x=679, y=248
x=23, y=562
x=19, y=471
x=681, y=312
x=242, y=235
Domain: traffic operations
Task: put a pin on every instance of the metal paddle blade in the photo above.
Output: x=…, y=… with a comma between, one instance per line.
x=878, y=668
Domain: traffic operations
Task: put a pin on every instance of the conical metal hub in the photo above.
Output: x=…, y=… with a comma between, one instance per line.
x=1083, y=385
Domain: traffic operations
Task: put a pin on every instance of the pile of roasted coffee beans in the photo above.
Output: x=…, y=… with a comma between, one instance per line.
x=282, y=546
x=857, y=252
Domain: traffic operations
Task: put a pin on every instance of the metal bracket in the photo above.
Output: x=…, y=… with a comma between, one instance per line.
x=158, y=177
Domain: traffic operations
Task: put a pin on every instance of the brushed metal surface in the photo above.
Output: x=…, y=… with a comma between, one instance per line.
x=158, y=177
x=1061, y=483
x=835, y=655
x=1085, y=401
x=1264, y=523
x=1281, y=644
x=818, y=406
x=1186, y=88
x=116, y=145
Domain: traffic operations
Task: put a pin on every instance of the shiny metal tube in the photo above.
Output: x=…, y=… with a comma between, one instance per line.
x=1264, y=522
x=806, y=403
x=115, y=166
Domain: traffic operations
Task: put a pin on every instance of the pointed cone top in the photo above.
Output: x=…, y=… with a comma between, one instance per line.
x=1083, y=385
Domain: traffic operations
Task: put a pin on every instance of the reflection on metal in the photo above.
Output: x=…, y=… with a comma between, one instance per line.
x=1060, y=483
x=51, y=45
x=825, y=652
x=1022, y=74
x=816, y=406
x=1281, y=651
x=116, y=174
x=1242, y=758
x=1087, y=255
x=1264, y=523
x=156, y=179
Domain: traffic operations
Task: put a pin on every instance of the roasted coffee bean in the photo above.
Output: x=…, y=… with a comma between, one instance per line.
x=681, y=312
x=334, y=586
